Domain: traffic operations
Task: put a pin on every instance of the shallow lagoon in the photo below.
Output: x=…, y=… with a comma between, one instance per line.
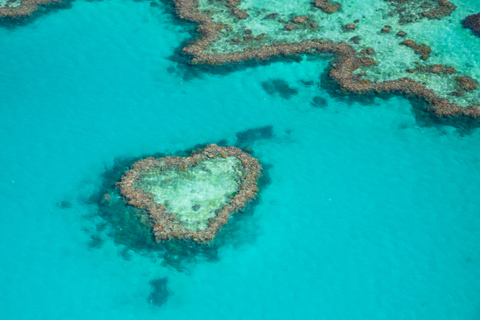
x=371, y=211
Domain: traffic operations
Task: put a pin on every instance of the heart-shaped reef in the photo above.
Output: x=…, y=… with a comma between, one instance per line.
x=192, y=198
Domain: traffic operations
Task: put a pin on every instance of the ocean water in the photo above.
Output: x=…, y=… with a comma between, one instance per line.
x=371, y=210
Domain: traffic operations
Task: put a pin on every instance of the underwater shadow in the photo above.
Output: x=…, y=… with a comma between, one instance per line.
x=280, y=87
x=246, y=139
x=160, y=293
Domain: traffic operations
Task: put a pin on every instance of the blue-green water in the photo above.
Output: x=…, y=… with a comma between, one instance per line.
x=372, y=211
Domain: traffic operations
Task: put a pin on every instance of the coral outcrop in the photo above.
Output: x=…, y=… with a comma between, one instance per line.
x=327, y=6
x=146, y=174
x=466, y=83
x=421, y=49
x=473, y=22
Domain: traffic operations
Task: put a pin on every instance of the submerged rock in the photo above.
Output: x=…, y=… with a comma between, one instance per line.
x=350, y=26
x=300, y=19
x=240, y=14
x=271, y=16
x=473, y=22
x=421, y=49
x=327, y=6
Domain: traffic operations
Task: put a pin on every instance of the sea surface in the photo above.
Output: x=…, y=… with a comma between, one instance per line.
x=370, y=209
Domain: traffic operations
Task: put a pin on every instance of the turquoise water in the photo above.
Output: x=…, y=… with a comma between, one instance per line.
x=371, y=211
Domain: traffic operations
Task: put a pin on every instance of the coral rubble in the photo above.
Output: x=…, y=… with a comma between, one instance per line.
x=152, y=194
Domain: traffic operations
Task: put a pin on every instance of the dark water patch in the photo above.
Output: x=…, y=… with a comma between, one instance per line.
x=171, y=69
x=307, y=83
x=222, y=143
x=100, y=227
x=248, y=137
x=319, y=102
x=249, y=151
x=96, y=242
x=11, y=23
x=131, y=229
x=64, y=204
x=160, y=293
x=126, y=254
x=280, y=87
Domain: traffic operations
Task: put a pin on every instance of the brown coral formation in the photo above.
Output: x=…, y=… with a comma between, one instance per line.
x=240, y=14
x=473, y=22
x=300, y=19
x=346, y=62
x=421, y=49
x=436, y=69
x=350, y=26
x=24, y=9
x=413, y=10
x=166, y=226
x=327, y=6
x=445, y=8
x=466, y=83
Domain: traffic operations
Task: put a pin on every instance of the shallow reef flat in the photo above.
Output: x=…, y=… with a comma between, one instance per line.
x=417, y=48
x=192, y=198
x=21, y=8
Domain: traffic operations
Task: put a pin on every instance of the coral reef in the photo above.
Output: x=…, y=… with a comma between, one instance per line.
x=229, y=32
x=327, y=6
x=168, y=225
x=467, y=83
x=346, y=62
x=420, y=49
x=412, y=10
x=473, y=22
x=23, y=8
